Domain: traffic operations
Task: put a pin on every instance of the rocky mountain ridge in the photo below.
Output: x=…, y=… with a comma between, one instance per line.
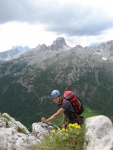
x=61, y=50
x=58, y=46
x=17, y=51
x=81, y=58
x=13, y=53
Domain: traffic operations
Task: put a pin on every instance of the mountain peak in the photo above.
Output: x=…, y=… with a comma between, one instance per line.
x=42, y=47
x=59, y=43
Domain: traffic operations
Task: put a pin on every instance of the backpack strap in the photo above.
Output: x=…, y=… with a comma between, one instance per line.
x=63, y=100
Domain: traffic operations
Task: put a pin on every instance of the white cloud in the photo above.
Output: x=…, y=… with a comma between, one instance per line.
x=14, y=33
x=27, y=22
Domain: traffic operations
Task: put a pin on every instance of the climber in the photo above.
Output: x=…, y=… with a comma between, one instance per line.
x=66, y=108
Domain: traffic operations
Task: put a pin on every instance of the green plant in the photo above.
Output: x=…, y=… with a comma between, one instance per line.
x=21, y=130
x=69, y=138
x=6, y=119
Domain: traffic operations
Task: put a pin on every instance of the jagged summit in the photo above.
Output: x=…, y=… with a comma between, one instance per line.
x=59, y=43
x=42, y=52
x=42, y=47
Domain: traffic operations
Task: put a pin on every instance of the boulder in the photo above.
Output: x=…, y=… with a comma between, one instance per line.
x=11, y=139
x=15, y=124
x=40, y=130
x=14, y=135
x=98, y=133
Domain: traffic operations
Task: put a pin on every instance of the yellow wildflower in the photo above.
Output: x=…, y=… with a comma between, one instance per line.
x=73, y=126
x=78, y=127
x=70, y=125
x=52, y=131
x=76, y=124
x=66, y=130
x=50, y=137
x=63, y=129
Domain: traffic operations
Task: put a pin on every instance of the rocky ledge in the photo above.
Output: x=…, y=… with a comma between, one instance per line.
x=15, y=136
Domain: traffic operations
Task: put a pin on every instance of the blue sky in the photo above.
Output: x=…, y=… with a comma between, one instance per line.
x=34, y=22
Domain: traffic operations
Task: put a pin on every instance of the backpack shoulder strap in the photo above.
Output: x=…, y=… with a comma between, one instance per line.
x=63, y=100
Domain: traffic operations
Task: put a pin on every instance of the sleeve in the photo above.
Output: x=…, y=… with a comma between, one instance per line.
x=65, y=105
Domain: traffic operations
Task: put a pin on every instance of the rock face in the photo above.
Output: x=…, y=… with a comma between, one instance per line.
x=59, y=43
x=41, y=130
x=13, y=53
x=15, y=136
x=13, y=123
x=11, y=139
x=99, y=133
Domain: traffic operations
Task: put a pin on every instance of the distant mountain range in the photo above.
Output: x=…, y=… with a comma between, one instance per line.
x=16, y=51
x=26, y=82
x=13, y=53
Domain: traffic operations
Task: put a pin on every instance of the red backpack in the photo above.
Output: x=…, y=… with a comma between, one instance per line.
x=75, y=101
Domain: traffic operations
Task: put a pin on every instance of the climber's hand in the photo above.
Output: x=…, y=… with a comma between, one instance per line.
x=43, y=119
